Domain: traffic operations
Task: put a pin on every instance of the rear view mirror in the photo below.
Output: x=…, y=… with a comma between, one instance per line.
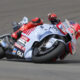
x=14, y=24
x=24, y=21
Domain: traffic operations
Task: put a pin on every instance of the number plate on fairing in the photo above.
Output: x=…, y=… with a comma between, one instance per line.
x=18, y=52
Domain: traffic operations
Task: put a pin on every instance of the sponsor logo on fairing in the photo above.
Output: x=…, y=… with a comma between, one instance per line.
x=28, y=32
x=25, y=38
x=14, y=51
x=20, y=54
x=62, y=28
x=19, y=46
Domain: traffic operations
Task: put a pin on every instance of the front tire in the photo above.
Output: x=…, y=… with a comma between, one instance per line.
x=50, y=54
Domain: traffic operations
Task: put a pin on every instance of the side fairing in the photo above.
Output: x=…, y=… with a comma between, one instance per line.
x=37, y=34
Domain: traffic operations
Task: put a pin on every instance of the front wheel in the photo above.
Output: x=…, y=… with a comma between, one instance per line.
x=42, y=54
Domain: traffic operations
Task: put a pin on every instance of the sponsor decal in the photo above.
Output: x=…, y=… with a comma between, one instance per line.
x=25, y=38
x=62, y=28
x=14, y=51
x=20, y=54
x=19, y=46
x=54, y=28
x=71, y=30
x=28, y=32
x=21, y=41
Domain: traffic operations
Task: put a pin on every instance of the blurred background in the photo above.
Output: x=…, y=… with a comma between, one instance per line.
x=15, y=10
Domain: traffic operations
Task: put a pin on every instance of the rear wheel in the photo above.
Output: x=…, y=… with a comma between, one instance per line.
x=42, y=54
x=2, y=55
x=5, y=39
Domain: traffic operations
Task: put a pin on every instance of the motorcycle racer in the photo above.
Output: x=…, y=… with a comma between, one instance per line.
x=33, y=23
x=52, y=17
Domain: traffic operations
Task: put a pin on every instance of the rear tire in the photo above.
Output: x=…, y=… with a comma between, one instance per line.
x=1, y=53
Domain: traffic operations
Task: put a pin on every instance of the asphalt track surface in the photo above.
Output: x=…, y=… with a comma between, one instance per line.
x=14, y=10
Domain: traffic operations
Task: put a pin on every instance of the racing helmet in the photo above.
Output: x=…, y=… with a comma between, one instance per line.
x=37, y=21
x=52, y=16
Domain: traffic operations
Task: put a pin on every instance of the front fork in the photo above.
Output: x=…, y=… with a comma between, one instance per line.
x=70, y=48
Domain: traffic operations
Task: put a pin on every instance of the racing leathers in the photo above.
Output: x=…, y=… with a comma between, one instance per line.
x=33, y=23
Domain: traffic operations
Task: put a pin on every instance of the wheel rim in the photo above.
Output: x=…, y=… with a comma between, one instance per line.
x=41, y=50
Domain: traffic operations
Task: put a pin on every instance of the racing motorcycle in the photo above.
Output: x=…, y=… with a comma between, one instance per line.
x=43, y=43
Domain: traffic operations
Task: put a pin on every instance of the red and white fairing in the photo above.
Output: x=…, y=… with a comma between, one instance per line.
x=37, y=34
x=71, y=30
x=65, y=28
